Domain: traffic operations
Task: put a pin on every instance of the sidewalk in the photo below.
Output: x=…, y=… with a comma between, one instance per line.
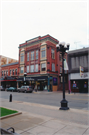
x=37, y=119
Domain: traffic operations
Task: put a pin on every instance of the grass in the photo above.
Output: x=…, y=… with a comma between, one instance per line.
x=5, y=111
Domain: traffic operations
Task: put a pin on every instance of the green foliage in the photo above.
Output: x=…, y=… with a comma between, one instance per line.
x=5, y=111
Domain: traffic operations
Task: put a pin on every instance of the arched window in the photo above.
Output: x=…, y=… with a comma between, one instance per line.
x=15, y=71
x=10, y=72
x=2, y=73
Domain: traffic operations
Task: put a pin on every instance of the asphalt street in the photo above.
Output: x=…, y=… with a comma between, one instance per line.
x=76, y=101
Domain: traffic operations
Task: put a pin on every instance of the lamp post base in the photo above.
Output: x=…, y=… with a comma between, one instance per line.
x=64, y=105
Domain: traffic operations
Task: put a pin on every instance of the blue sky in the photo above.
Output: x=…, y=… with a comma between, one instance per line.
x=23, y=20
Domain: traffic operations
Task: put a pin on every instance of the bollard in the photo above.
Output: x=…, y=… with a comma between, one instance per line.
x=10, y=99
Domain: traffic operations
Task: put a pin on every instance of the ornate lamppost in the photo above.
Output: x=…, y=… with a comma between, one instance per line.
x=62, y=48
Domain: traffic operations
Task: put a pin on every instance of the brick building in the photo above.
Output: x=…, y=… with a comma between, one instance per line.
x=42, y=63
x=9, y=75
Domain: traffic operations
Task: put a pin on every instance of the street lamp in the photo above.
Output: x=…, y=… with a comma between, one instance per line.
x=62, y=48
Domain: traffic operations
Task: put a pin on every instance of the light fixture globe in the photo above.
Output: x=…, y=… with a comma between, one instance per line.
x=57, y=45
x=62, y=43
x=25, y=74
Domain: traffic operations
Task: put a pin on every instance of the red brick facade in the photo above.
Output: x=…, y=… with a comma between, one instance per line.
x=40, y=60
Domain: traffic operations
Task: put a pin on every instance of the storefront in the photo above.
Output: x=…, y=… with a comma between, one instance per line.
x=78, y=83
x=40, y=83
x=7, y=82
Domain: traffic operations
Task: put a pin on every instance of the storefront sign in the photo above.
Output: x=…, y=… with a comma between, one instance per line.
x=54, y=81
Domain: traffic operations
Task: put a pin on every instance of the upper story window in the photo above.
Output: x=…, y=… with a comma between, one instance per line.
x=43, y=67
x=28, y=56
x=36, y=68
x=10, y=72
x=21, y=69
x=60, y=69
x=27, y=69
x=15, y=71
x=22, y=57
x=60, y=57
x=43, y=52
x=36, y=54
x=53, y=54
x=2, y=73
x=53, y=67
x=7, y=72
x=32, y=68
x=32, y=55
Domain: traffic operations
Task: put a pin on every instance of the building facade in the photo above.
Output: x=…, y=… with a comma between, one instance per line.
x=42, y=63
x=78, y=70
x=9, y=75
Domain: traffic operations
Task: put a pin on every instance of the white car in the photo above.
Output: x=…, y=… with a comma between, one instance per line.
x=25, y=89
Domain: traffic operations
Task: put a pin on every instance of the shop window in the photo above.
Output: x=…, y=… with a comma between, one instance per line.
x=43, y=52
x=28, y=56
x=32, y=55
x=52, y=54
x=22, y=57
x=43, y=66
x=53, y=67
x=36, y=54
x=36, y=68
x=27, y=69
x=22, y=70
x=32, y=68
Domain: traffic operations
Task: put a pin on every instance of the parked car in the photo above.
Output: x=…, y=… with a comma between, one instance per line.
x=11, y=89
x=2, y=89
x=25, y=89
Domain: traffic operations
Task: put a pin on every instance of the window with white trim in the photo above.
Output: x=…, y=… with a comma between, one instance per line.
x=52, y=53
x=22, y=57
x=32, y=55
x=28, y=56
x=36, y=54
x=43, y=52
x=53, y=67
x=27, y=69
x=32, y=68
x=43, y=67
x=21, y=69
x=36, y=68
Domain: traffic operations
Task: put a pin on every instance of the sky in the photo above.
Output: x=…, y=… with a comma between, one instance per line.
x=22, y=20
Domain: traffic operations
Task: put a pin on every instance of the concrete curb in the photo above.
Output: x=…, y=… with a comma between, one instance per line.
x=11, y=115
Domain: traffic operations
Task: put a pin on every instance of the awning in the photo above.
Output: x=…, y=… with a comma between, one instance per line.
x=20, y=79
x=7, y=78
